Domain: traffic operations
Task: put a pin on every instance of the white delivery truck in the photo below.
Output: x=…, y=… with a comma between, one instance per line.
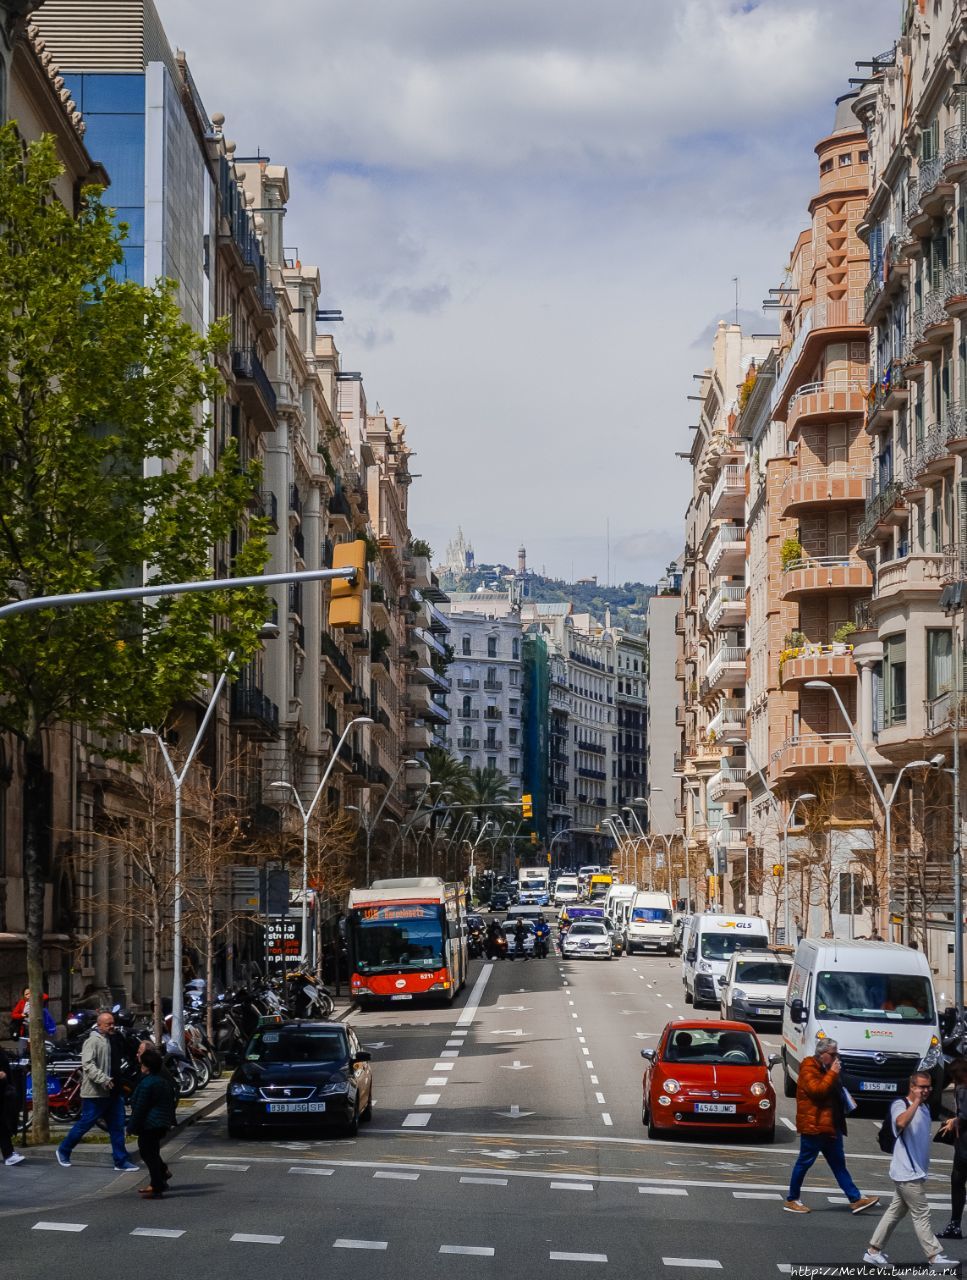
x=876, y=1000
x=650, y=923
x=532, y=887
x=617, y=905
x=709, y=943
x=565, y=890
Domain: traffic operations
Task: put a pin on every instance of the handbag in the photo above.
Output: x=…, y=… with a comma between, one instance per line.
x=946, y=1137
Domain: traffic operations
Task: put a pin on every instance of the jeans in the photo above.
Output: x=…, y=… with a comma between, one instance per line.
x=830, y=1147
x=908, y=1198
x=111, y=1111
x=149, y=1145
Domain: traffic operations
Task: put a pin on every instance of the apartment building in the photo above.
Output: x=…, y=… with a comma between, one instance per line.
x=628, y=767
x=664, y=711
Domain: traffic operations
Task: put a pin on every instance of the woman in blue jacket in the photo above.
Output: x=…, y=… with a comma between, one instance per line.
x=153, y=1105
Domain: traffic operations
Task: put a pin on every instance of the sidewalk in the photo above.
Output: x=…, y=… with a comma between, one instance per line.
x=40, y=1183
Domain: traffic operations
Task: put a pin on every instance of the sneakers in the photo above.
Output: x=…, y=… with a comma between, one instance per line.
x=62, y=1160
x=16, y=1158
x=864, y=1202
x=951, y=1231
x=795, y=1206
x=941, y=1260
x=127, y=1167
x=876, y=1257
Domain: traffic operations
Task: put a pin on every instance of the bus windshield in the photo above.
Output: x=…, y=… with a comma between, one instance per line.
x=398, y=938
x=875, y=997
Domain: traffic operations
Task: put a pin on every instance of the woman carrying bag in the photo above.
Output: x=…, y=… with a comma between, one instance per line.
x=153, y=1106
x=954, y=1133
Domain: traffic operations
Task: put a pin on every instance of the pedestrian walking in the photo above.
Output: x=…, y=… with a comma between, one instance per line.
x=9, y=1111
x=821, y=1124
x=153, y=1106
x=957, y=1126
x=20, y=1017
x=910, y=1119
x=101, y=1097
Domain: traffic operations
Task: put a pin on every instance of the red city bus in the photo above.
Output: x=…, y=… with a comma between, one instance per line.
x=407, y=938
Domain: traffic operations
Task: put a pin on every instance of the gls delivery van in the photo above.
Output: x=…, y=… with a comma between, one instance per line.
x=876, y=1000
x=709, y=943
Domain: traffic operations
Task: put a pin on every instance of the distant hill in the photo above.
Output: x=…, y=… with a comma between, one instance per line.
x=627, y=602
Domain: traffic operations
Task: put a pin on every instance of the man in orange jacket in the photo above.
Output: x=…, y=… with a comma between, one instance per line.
x=821, y=1124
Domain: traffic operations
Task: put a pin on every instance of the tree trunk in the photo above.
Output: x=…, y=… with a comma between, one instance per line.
x=35, y=829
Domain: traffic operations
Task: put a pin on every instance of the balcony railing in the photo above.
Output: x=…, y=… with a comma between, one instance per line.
x=955, y=145
x=877, y=505
x=246, y=366
x=250, y=706
x=730, y=477
x=733, y=837
x=873, y=287
x=729, y=537
x=468, y=684
x=940, y=711
x=831, y=387
x=334, y=655
x=468, y=713
x=928, y=177
x=727, y=656
x=954, y=563
x=954, y=283
x=729, y=593
x=493, y=686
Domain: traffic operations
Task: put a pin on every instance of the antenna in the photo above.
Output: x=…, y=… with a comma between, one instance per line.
x=735, y=281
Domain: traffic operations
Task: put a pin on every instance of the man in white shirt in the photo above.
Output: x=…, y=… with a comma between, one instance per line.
x=908, y=1173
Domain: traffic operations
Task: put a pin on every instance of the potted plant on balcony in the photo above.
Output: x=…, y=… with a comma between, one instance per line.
x=840, y=637
x=790, y=552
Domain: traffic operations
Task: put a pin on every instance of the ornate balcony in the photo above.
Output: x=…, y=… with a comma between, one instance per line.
x=941, y=712
x=727, y=784
x=889, y=393
x=932, y=453
x=883, y=508
x=806, y=751
x=824, y=574
x=729, y=721
x=912, y=576
x=818, y=486
x=827, y=401
x=816, y=662
x=954, y=289
x=955, y=152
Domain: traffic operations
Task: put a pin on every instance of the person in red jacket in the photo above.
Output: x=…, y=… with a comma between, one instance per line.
x=821, y=1125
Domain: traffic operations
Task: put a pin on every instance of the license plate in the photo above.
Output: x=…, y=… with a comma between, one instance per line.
x=767, y=1013
x=404, y=997
x=275, y=1108
x=878, y=1086
x=716, y=1108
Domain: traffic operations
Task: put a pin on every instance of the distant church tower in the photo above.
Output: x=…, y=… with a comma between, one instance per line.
x=521, y=560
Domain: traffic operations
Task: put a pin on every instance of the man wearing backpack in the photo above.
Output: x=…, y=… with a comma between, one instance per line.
x=910, y=1122
x=821, y=1123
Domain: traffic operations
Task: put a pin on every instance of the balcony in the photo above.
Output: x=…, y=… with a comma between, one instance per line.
x=912, y=577
x=954, y=289
x=468, y=684
x=818, y=486
x=927, y=192
x=726, y=670
x=884, y=508
x=728, y=721
x=253, y=713
x=828, y=401
x=824, y=574
x=728, y=496
x=940, y=712
x=811, y=751
x=954, y=563
x=932, y=453
x=595, y=748
x=598, y=775
x=254, y=388
x=891, y=392
x=340, y=508
x=468, y=744
x=468, y=713
x=816, y=662
x=337, y=662
x=955, y=151
x=270, y=508
x=727, y=552
x=493, y=713
x=726, y=606
x=493, y=686
x=680, y=622
x=727, y=784
x=493, y=744
x=930, y=324
x=733, y=837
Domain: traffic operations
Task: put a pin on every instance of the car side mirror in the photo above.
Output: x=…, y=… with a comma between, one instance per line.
x=362, y=1056
x=690, y=954
x=649, y=1055
x=796, y=1011
x=774, y=1059
x=722, y=981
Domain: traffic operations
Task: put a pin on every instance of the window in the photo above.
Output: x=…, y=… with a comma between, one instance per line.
x=864, y=157
x=850, y=893
x=894, y=680
x=491, y=675
x=846, y=159
x=466, y=646
x=514, y=677
x=514, y=708
x=465, y=710
x=514, y=765
x=491, y=646
x=515, y=649
x=836, y=443
x=491, y=762
x=466, y=761
x=939, y=663
x=826, y=166
x=513, y=734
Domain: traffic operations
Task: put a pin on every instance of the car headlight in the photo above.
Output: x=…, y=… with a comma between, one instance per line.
x=758, y=1089
x=671, y=1086
x=334, y=1086
x=739, y=994
x=362, y=991
x=705, y=967
x=245, y=1092
x=930, y=1059
x=439, y=986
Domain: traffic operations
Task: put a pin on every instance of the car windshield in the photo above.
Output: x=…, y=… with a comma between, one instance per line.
x=717, y=1048
x=874, y=997
x=596, y=930
x=289, y=1047
x=653, y=915
x=533, y=884
x=404, y=937
x=763, y=971
x=719, y=946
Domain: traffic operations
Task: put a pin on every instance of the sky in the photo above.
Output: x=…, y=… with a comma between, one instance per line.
x=531, y=213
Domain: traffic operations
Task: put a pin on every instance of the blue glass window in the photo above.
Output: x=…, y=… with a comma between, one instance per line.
x=133, y=217
x=118, y=142
x=112, y=93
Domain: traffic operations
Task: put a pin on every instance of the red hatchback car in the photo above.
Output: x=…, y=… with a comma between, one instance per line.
x=709, y=1075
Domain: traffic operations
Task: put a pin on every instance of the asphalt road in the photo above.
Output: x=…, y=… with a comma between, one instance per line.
x=507, y=1127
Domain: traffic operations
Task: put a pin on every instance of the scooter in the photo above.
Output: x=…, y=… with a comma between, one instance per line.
x=496, y=946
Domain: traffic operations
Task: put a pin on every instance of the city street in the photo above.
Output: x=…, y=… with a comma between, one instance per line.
x=507, y=1127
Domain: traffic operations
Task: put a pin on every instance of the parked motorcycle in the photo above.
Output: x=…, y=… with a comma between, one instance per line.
x=307, y=998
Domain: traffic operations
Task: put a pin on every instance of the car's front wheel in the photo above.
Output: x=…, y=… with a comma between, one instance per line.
x=352, y=1125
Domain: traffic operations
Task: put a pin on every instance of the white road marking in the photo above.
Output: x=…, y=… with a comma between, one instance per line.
x=416, y=1120
x=578, y=1257
x=579, y=1030
x=586, y=1052
x=476, y=995
x=605, y=1116
x=789, y=1124
x=599, y=1099
x=450, y=1053
x=594, y=1080
x=571, y=1002
x=516, y=1065
x=323, y=1173
x=426, y=1100
x=667, y=1005
x=662, y=1191
x=581, y=1039
x=393, y=1176
x=514, y=1113
x=573, y=1015
x=572, y=1186
x=438, y=1080
x=485, y=1182
x=710, y=1264
x=443, y=1066
x=472, y=1250
x=235, y=1168
x=241, y=1237
x=359, y=1244
x=162, y=1233
x=837, y=1200
x=455, y=1044
x=516, y=1031
x=588, y=1063
x=757, y=1195
x=59, y=1226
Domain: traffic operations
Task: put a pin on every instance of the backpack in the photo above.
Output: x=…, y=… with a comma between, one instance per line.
x=886, y=1135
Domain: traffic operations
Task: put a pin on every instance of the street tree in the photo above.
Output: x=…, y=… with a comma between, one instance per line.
x=105, y=467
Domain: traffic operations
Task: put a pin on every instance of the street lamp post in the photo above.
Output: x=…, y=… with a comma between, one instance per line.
x=370, y=827
x=306, y=814
x=806, y=795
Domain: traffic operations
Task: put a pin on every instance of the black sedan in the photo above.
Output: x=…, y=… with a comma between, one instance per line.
x=299, y=1075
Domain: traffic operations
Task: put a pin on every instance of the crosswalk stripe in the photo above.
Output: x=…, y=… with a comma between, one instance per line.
x=241, y=1237
x=709, y=1264
x=360, y=1244
x=662, y=1191
x=162, y=1233
x=578, y=1257
x=471, y=1250
x=59, y=1226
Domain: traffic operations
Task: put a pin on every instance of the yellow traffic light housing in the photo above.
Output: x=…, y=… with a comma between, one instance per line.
x=346, y=598
x=527, y=805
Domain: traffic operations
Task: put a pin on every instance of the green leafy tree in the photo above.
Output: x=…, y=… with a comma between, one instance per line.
x=489, y=789
x=102, y=437
x=452, y=774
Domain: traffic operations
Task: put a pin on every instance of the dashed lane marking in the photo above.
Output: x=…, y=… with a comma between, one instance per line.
x=757, y=1195
x=485, y=1182
x=360, y=1244
x=232, y=1168
x=450, y=1053
x=454, y=1044
x=662, y=1191
x=161, y=1233
x=59, y=1226
x=599, y=1099
x=443, y=1066
x=416, y=1120
x=396, y=1177
x=427, y=1100
x=588, y=1063
x=579, y=1030
x=572, y=1186
x=606, y=1117
x=708, y=1264
x=476, y=995
x=323, y=1173
x=594, y=1080
x=470, y=1250
x=581, y=1039
x=437, y=1080
x=586, y=1052
x=578, y=1257
x=241, y=1237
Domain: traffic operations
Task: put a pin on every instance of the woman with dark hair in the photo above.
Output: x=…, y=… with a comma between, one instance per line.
x=153, y=1106
x=957, y=1124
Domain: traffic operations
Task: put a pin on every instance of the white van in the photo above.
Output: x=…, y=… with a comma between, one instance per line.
x=650, y=923
x=876, y=1000
x=566, y=890
x=708, y=947
x=617, y=905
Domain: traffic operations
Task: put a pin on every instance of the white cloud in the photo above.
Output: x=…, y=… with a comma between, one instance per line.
x=528, y=212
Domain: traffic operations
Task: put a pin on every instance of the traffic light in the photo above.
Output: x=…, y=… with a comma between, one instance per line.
x=527, y=805
x=533, y=837
x=346, y=599
x=777, y=868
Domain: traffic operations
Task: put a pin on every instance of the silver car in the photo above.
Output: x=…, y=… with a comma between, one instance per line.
x=587, y=938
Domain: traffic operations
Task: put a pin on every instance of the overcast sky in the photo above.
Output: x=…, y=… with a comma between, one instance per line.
x=531, y=212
